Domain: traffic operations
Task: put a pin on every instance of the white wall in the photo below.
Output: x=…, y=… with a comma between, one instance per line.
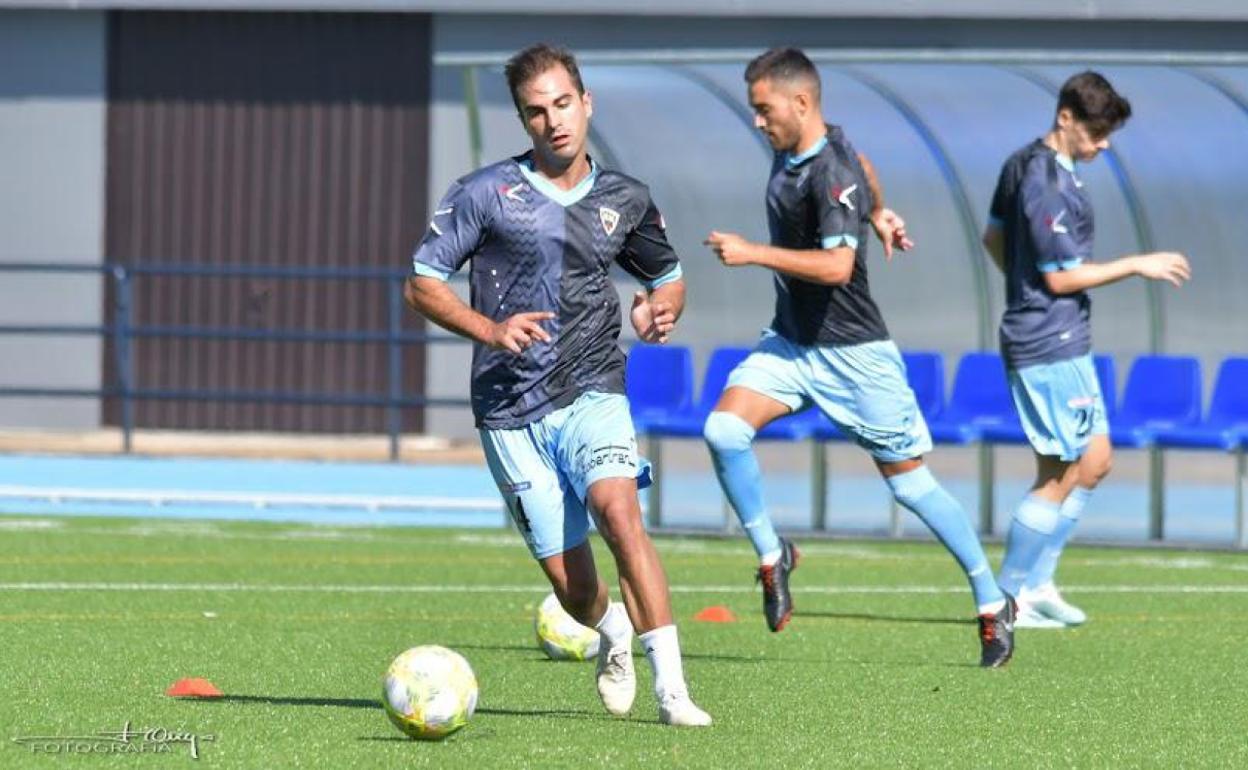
x=52, y=122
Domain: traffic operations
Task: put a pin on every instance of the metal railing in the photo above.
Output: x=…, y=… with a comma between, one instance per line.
x=122, y=330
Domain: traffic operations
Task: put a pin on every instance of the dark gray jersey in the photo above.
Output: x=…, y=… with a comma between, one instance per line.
x=533, y=248
x=1046, y=217
x=819, y=200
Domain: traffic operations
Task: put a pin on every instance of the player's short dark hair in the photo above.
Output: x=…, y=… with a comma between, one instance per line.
x=1094, y=102
x=783, y=65
x=535, y=60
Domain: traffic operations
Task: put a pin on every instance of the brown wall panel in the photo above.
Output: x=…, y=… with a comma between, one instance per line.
x=297, y=140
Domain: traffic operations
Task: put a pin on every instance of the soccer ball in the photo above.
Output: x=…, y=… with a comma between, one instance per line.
x=560, y=635
x=429, y=692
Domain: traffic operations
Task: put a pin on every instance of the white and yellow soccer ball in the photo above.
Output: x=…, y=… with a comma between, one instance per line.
x=560, y=635
x=429, y=692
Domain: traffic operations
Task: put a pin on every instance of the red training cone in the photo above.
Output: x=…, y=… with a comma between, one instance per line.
x=716, y=614
x=193, y=688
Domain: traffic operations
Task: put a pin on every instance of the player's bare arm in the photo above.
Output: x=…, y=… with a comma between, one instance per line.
x=654, y=314
x=434, y=300
x=1168, y=266
x=994, y=242
x=831, y=267
x=889, y=227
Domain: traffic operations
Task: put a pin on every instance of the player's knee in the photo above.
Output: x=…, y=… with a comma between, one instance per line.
x=618, y=521
x=912, y=486
x=726, y=432
x=1094, y=467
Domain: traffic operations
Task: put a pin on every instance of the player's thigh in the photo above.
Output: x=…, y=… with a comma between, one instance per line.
x=597, y=441
x=546, y=512
x=755, y=408
x=863, y=389
x=767, y=385
x=1097, y=460
x=1060, y=406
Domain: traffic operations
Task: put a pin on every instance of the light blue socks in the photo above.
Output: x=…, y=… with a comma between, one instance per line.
x=919, y=491
x=1033, y=525
x=1045, y=567
x=729, y=439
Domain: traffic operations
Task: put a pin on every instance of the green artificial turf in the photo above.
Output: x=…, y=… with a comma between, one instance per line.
x=1158, y=678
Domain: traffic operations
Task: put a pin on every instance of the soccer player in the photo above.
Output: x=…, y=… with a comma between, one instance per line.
x=827, y=344
x=542, y=230
x=1040, y=235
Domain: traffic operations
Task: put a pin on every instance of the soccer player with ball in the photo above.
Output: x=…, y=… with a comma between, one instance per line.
x=542, y=230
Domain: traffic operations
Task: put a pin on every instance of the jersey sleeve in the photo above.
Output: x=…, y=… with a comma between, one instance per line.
x=647, y=255
x=999, y=208
x=1048, y=218
x=456, y=231
x=839, y=196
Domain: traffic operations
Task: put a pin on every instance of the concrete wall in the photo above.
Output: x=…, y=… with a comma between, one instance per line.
x=52, y=117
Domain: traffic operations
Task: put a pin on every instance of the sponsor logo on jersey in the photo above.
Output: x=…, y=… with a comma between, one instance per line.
x=512, y=192
x=433, y=223
x=1055, y=223
x=841, y=195
x=610, y=218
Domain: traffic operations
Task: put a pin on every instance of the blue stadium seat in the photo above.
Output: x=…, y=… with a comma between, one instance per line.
x=980, y=403
x=1107, y=375
x=925, y=370
x=659, y=383
x=1162, y=393
x=1226, y=426
x=688, y=424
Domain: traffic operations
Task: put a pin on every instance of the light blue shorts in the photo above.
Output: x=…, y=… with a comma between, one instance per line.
x=861, y=388
x=544, y=470
x=1060, y=405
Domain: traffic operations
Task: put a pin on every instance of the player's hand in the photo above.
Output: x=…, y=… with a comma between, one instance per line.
x=520, y=332
x=1165, y=266
x=732, y=249
x=653, y=321
x=891, y=230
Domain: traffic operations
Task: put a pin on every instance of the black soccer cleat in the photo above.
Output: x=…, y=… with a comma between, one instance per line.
x=777, y=603
x=996, y=635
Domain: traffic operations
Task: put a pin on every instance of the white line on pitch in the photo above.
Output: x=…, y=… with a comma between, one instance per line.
x=683, y=589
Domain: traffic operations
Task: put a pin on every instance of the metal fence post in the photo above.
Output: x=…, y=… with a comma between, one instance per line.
x=121, y=353
x=1156, y=494
x=472, y=101
x=394, y=368
x=1241, y=483
x=654, y=500
x=987, y=488
x=818, y=485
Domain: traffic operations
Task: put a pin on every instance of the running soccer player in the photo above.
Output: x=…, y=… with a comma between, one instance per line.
x=827, y=344
x=1040, y=235
x=542, y=230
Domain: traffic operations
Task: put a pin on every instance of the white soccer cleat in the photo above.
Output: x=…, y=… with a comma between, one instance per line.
x=617, y=680
x=1046, y=601
x=680, y=710
x=1029, y=617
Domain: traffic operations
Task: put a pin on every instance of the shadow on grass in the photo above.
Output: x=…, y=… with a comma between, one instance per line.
x=887, y=618
x=365, y=703
x=281, y=700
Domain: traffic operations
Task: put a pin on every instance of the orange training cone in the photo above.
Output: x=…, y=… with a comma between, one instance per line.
x=193, y=688
x=716, y=614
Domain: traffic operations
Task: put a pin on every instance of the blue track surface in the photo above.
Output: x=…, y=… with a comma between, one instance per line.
x=1199, y=513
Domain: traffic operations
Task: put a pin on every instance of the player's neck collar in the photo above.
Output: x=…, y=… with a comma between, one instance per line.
x=548, y=188
x=793, y=161
x=1066, y=162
